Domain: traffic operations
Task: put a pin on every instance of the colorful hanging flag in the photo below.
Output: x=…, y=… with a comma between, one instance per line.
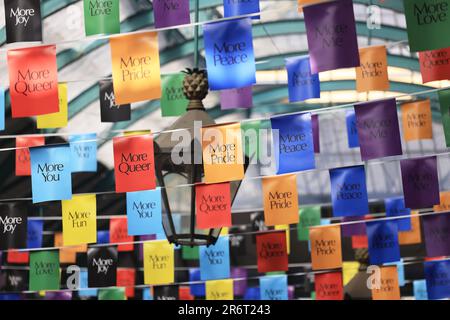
x=213, y=203
x=79, y=220
x=383, y=242
x=101, y=17
x=387, y=288
x=118, y=233
x=302, y=84
x=444, y=202
x=444, y=101
x=420, y=290
x=34, y=233
x=437, y=237
x=84, y=291
x=173, y=101
x=309, y=217
x=239, y=8
x=378, y=129
x=349, y=191
x=166, y=292
x=126, y=277
x=437, y=275
x=109, y=110
x=353, y=229
x=15, y=280
x=349, y=271
x=13, y=225
x=352, y=129
x=240, y=275
x=417, y=121
x=23, y=164
x=44, y=271
x=360, y=242
x=159, y=265
x=67, y=254
x=293, y=138
x=236, y=98
x=331, y=33
x=274, y=287
x=215, y=260
x=329, y=286
x=33, y=81
x=17, y=256
x=136, y=69
x=2, y=108
x=197, y=287
x=420, y=182
x=190, y=253
x=112, y=294
x=223, y=159
x=170, y=13
x=425, y=21
x=372, y=74
x=51, y=173
x=326, y=252
x=280, y=199
x=134, y=164
x=414, y=235
x=144, y=212
x=271, y=251
x=83, y=149
x=219, y=290
x=60, y=118
x=435, y=65
x=23, y=21
x=395, y=207
x=230, y=59
x=316, y=132
x=102, y=266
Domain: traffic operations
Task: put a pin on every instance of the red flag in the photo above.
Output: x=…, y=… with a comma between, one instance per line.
x=435, y=65
x=23, y=165
x=127, y=278
x=33, y=81
x=329, y=286
x=271, y=251
x=134, y=164
x=213, y=202
x=118, y=232
x=15, y=256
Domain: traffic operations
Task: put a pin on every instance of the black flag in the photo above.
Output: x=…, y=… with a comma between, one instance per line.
x=102, y=267
x=110, y=112
x=166, y=292
x=23, y=20
x=13, y=225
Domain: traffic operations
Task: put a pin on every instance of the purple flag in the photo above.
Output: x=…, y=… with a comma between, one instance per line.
x=58, y=295
x=240, y=286
x=316, y=134
x=331, y=32
x=437, y=234
x=353, y=229
x=171, y=13
x=378, y=129
x=420, y=182
x=236, y=98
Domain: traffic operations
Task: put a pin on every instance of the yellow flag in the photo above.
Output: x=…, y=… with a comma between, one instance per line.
x=286, y=227
x=135, y=67
x=58, y=119
x=219, y=290
x=79, y=220
x=159, y=265
x=349, y=270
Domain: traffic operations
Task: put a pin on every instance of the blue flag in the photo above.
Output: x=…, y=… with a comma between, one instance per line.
x=437, y=274
x=230, y=59
x=302, y=83
x=420, y=290
x=197, y=289
x=2, y=109
x=144, y=212
x=383, y=242
x=396, y=207
x=147, y=294
x=293, y=138
x=252, y=293
x=84, y=152
x=51, y=173
x=238, y=8
x=349, y=191
x=274, y=287
x=84, y=291
x=102, y=236
x=34, y=233
x=352, y=129
x=215, y=260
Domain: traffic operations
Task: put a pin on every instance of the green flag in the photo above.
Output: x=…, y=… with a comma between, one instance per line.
x=444, y=101
x=173, y=101
x=189, y=253
x=101, y=17
x=428, y=23
x=111, y=294
x=44, y=271
x=251, y=138
x=309, y=217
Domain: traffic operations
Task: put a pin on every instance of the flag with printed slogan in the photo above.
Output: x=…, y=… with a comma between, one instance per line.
x=372, y=74
x=118, y=233
x=23, y=20
x=23, y=164
x=280, y=199
x=388, y=287
x=173, y=101
x=383, y=242
x=417, y=120
x=219, y=290
x=326, y=252
x=79, y=220
x=274, y=287
x=169, y=13
x=239, y=8
x=109, y=110
x=434, y=65
x=213, y=203
x=44, y=271
x=437, y=236
x=437, y=275
x=101, y=17
x=83, y=149
x=309, y=217
x=329, y=286
x=13, y=225
x=215, y=260
x=395, y=206
x=352, y=129
x=302, y=84
x=271, y=251
x=102, y=266
x=136, y=69
x=159, y=265
x=144, y=212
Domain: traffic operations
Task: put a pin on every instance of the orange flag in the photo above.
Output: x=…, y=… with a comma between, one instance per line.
x=417, y=121
x=388, y=289
x=280, y=200
x=373, y=71
x=414, y=235
x=444, y=202
x=326, y=251
x=136, y=69
x=223, y=159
